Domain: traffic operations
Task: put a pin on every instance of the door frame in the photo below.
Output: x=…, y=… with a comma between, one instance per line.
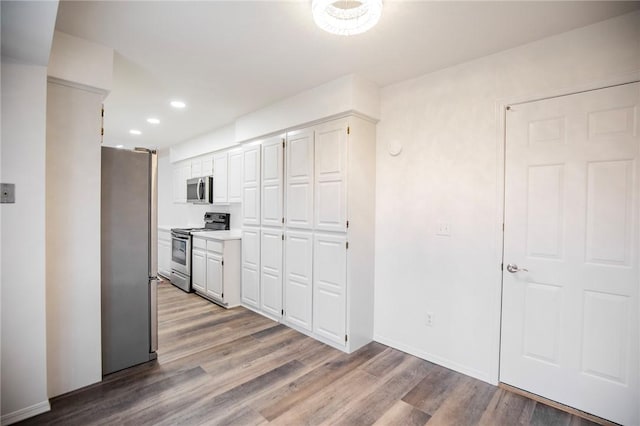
x=500, y=109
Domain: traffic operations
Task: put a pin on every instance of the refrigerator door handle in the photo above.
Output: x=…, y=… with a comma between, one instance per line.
x=153, y=307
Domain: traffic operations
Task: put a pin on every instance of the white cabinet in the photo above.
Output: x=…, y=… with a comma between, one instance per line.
x=215, y=277
x=272, y=174
x=299, y=179
x=251, y=185
x=196, y=168
x=251, y=267
x=234, y=176
x=180, y=173
x=207, y=165
x=271, y=272
x=198, y=270
x=164, y=252
x=298, y=281
x=220, y=194
x=330, y=176
x=329, y=287
x=216, y=269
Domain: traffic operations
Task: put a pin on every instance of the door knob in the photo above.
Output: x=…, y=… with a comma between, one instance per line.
x=513, y=268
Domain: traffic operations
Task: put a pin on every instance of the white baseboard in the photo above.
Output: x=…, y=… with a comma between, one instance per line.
x=452, y=365
x=25, y=413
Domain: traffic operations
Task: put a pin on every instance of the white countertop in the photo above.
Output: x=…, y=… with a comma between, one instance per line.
x=164, y=227
x=219, y=235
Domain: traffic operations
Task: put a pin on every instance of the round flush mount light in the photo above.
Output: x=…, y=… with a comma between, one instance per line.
x=135, y=132
x=178, y=104
x=346, y=17
x=153, y=120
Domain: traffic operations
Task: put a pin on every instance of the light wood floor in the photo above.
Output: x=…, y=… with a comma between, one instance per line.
x=218, y=366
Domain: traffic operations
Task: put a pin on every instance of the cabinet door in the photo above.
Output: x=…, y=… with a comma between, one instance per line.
x=272, y=165
x=234, y=183
x=164, y=257
x=198, y=270
x=330, y=176
x=299, y=200
x=181, y=172
x=220, y=178
x=196, y=168
x=329, y=287
x=207, y=166
x=298, y=294
x=251, y=185
x=271, y=272
x=251, y=267
x=215, y=288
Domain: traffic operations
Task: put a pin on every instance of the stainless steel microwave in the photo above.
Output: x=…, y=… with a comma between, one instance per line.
x=200, y=190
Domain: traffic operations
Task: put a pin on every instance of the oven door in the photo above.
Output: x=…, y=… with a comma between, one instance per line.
x=181, y=253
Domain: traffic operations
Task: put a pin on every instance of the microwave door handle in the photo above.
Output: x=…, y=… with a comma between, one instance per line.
x=198, y=189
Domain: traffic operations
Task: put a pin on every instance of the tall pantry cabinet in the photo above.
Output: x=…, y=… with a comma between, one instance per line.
x=314, y=271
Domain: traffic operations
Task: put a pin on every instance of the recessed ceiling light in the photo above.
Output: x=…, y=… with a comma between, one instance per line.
x=135, y=132
x=178, y=104
x=346, y=17
x=153, y=120
x=119, y=146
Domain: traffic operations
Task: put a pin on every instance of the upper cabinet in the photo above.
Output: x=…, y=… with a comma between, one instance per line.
x=181, y=172
x=220, y=189
x=299, y=178
x=234, y=176
x=272, y=177
x=251, y=185
x=330, y=176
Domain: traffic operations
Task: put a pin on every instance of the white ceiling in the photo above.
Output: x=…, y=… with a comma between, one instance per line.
x=228, y=58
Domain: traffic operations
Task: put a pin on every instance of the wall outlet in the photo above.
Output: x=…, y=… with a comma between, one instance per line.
x=444, y=229
x=429, y=319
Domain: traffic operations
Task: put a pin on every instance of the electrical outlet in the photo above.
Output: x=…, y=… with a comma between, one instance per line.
x=444, y=229
x=429, y=319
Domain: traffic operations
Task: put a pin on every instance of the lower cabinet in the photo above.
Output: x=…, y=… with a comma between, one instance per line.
x=164, y=252
x=329, y=287
x=251, y=267
x=215, y=270
x=298, y=281
x=271, y=272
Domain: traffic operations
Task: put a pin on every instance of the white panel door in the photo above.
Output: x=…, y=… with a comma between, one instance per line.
x=298, y=283
x=329, y=287
x=272, y=172
x=251, y=185
x=198, y=270
x=220, y=178
x=330, y=176
x=234, y=183
x=570, y=320
x=251, y=267
x=299, y=200
x=271, y=272
x=215, y=287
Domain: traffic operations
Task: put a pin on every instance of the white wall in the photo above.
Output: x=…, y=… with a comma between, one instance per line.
x=80, y=61
x=448, y=123
x=221, y=138
x=348, y=93
x=24, y=374
x=73, y=238
x=80, y=74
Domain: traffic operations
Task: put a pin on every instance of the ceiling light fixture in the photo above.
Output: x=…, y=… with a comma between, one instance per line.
x=346, y=17
x=178, y=104
x=135, y=132
x=153, y=120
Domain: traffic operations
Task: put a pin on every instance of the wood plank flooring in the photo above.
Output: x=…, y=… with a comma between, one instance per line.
x=235, y=367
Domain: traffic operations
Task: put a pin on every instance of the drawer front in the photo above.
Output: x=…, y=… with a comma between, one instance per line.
x=215, y=246
x=199, y=243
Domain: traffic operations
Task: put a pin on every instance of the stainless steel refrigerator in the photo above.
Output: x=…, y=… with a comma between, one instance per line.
x=129, y=258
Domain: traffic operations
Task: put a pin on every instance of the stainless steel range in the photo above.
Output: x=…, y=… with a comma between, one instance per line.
x=181, y=247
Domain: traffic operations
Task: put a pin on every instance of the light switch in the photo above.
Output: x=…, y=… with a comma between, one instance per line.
x=7, y=193
x=444, y=229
